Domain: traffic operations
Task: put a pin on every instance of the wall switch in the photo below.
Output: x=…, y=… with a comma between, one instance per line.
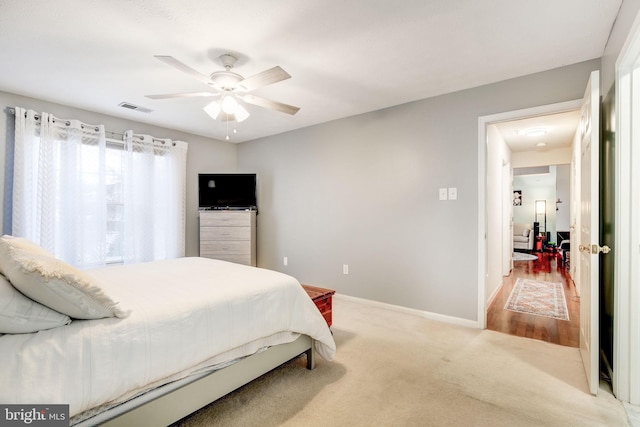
x=345, y=269
x=442, y=193
x=453, y=193
x=285, y=261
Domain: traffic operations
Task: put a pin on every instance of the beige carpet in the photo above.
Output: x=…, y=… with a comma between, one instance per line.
x=396, y=369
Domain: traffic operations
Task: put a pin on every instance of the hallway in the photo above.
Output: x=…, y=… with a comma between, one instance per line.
x=549, y=268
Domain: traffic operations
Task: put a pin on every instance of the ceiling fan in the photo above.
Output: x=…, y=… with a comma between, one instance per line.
x=230, y=86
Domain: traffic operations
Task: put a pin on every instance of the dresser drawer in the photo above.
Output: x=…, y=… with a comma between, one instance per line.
x=229, y=236
x=226, y=219
x=215, y=248
x=225, y=233
x=245, y=259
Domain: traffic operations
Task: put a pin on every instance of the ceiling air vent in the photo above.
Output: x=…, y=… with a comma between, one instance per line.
x=131, y=106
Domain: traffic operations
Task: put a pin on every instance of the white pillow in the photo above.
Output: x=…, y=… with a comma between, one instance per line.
x=20, y=315
x=525, y=233
x=54, y=283
x=10, y=244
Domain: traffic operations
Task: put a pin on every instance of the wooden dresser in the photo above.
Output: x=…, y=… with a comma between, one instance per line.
x=322, y=298
x=229, y=236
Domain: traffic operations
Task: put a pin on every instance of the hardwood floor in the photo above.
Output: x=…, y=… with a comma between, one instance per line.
x=549, y=268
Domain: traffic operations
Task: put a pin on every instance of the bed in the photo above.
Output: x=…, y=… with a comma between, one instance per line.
x=184, y=333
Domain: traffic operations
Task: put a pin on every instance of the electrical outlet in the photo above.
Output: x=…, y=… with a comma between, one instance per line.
x=453, y=193
x=345, y=269
x=285, y=261
x=442, y=193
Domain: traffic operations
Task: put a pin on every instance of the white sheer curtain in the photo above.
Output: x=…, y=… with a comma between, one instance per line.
x=91, y=201
x=154, y=188
x=59, y=188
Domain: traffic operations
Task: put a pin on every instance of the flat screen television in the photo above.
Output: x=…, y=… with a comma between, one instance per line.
x=227, y=191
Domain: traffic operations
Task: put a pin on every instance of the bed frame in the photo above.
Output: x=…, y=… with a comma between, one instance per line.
x=171, y=407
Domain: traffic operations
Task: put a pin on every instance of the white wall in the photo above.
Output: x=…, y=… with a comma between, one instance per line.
x=498, y=155
x=363, y=191
x=204, y=155
x=537, y=187
x=563, y=192
x=527, y=159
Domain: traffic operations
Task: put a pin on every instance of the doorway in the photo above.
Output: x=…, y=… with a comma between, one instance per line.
x=493, y=154
x=585, y=160
x=538, y=151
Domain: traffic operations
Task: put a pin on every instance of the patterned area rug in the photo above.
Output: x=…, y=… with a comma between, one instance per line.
x=538, y=298
x=519, y=256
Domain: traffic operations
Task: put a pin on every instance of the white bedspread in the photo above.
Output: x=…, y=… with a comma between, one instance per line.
x=186, y=314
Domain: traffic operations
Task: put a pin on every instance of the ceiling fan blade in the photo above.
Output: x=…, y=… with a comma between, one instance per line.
x=267, y=103
x=170, y=60
x=181, y=95
x=264, y=78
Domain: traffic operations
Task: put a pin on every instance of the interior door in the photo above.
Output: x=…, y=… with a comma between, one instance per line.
x=589, y=129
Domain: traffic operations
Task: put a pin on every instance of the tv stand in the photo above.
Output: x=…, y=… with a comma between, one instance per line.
x=233, y=208
x=228, y=235
x=228, y=208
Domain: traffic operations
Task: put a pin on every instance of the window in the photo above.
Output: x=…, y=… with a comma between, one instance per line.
x=93, y=201
x=114, y=182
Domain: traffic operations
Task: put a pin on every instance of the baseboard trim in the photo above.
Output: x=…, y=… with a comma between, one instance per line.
x=495, y=293
x=412, y=311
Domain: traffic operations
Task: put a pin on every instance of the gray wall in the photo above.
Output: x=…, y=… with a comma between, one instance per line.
x=204, y=155
x=363, y=191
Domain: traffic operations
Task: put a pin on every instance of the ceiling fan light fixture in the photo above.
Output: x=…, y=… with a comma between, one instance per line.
x=229, y=105
x=225, y=80
x=241, y=113
x=231, y=88
x=536, y=133
x=212, y=109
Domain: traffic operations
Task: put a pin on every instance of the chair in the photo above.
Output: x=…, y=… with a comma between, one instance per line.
x=523, y=236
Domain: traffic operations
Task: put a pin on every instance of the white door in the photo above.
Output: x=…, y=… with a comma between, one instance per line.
x=589, y=129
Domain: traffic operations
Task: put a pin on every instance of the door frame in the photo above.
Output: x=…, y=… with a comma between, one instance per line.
x=507, y=218
x=626, y=325
x=483, y=122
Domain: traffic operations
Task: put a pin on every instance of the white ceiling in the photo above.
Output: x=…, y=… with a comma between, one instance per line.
x=345, y=57
x=559, y=131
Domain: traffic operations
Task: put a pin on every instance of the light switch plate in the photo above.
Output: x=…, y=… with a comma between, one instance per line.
x=453, y=193
x=442, y=194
